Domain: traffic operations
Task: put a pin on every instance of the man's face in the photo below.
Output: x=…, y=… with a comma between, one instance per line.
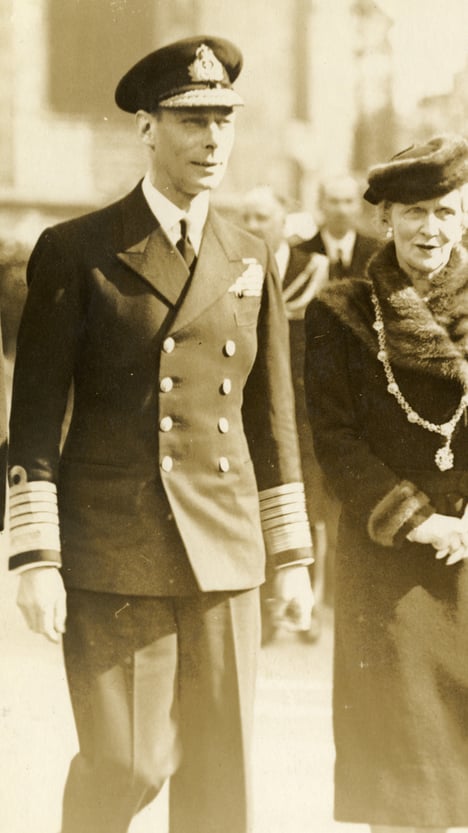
x=425, y=232
x=339, y=204
x=264, y=216
x=190, y=148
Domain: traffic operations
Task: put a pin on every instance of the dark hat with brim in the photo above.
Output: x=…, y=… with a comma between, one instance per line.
x=421, y=172
x=194, y=72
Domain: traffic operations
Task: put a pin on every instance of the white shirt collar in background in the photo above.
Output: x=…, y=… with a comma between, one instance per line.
x=282, y=255
x=335, y=247
x=170, y=215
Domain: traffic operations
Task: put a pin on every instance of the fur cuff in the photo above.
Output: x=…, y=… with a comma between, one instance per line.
x=401, y=510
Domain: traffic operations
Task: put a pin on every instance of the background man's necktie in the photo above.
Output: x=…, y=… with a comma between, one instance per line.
x=337, y=269
x=184, y=245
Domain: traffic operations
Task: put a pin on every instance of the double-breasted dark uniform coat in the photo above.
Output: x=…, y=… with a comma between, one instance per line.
x=182, y=412
x=401, y=615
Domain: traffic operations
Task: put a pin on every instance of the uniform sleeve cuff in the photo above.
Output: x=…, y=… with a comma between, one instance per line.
x=285, y=524
x=34, y=523
x=401, y=510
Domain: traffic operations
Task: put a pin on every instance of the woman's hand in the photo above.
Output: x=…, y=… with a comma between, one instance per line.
x=446, y=533
x=457, y=553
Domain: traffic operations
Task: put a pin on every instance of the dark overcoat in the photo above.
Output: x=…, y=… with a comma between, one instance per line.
x=401, y=671
x=182, y=408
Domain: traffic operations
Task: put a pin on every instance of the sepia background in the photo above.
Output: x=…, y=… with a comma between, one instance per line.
x=329, y=86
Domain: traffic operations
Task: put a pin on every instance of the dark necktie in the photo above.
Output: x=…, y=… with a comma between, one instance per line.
x=184, y=245
x=337, y=269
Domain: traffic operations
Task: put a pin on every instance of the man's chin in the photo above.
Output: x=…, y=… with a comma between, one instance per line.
x=211, y=180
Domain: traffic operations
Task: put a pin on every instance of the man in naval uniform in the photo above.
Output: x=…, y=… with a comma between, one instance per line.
x=179, y=468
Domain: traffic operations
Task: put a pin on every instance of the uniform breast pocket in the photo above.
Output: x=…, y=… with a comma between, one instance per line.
x=246, y=310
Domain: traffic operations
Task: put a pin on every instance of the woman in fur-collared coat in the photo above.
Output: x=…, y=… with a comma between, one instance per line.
x=387, y=390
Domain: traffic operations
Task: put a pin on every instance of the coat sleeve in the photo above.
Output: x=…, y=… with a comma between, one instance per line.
x=371, y=492
x=269, y=421
x=46, y=348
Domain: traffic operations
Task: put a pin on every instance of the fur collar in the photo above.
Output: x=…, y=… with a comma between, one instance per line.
x=428, y=334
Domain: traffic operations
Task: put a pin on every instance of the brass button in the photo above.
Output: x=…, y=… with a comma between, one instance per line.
x=230, y=347
x=223, y=464
x=166, y=384
x=223, y=425
x=166, y=423
x=168, y=344
x=226, y=386
x=167, y=463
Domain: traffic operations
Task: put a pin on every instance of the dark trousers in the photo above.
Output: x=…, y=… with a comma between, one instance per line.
x=161, y=687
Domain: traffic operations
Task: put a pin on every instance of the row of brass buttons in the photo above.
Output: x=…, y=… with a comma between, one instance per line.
x=166, y=385
x=167, y=423
x=229, y=348
x=167, y=464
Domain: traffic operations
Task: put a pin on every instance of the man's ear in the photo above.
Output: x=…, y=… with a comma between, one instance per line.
x=145, y=127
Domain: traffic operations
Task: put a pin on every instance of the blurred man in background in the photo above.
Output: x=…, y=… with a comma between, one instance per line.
x=264, y=214
x=348, y=250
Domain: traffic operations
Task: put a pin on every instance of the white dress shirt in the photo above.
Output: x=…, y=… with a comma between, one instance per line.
x=170, y=215
x=282, y=257
x=339, y=248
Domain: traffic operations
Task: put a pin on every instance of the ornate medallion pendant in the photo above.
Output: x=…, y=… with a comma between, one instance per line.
x=444, y=458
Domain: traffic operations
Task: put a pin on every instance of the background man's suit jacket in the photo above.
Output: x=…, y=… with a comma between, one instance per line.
x=364, y=248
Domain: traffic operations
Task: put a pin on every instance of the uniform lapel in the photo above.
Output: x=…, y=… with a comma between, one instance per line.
x=218, y=266
x=148, y=251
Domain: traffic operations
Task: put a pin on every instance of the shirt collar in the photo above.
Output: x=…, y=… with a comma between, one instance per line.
x=336, y=247
x=282, y=255
x=170, y=215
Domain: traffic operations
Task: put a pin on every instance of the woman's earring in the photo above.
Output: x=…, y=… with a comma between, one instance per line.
x=389, y=233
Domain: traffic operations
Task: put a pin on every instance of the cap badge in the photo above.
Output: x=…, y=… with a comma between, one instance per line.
x=206, y=66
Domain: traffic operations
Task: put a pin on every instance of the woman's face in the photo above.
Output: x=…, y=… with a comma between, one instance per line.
x=426, y=231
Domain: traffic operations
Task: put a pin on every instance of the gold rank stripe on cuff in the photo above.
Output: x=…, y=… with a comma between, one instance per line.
x=284, y=519
x=272, y=502
x=295, y=537
x=36, y=539
x=34, y=522
x=22, y=500
x=29, y=508
x=33, y=518
x=28, y=489
x=284, y=489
